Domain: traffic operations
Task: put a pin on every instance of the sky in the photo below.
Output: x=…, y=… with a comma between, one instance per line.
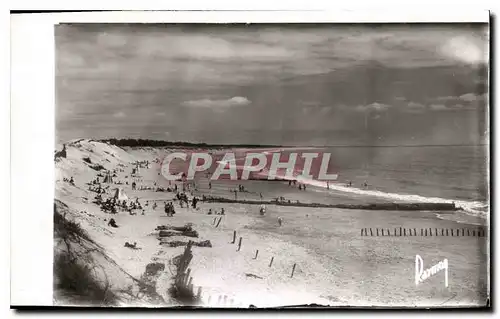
x=308, y=85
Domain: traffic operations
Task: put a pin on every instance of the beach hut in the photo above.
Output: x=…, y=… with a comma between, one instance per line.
x=120, y=195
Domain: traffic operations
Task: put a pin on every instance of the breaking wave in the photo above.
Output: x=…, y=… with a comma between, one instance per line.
x=472, y=208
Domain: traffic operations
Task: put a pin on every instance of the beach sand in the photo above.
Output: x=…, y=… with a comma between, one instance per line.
x=335, y=265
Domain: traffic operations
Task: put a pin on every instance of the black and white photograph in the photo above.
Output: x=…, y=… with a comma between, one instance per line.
x=271, y=165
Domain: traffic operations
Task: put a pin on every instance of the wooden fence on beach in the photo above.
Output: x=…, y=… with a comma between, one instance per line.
x=424, y=232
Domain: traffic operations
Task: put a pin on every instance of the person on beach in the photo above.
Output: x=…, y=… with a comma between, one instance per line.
x=327, y=185
x=262, y=209
x=209, y=211
x=222, y=211
x=209, y=185
x=300, y=187
x=280, y=221
x=112, y=223
x=194, y=202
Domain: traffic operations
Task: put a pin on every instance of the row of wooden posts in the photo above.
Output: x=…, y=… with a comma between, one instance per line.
x=224, y=301
x=257, y=253
x=423, y=232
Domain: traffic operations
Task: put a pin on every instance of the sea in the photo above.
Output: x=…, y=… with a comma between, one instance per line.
x=444, y=174
x=458, y=174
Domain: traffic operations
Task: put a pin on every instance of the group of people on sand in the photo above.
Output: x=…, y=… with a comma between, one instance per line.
x=349, y=184
x=294, y=182
x=182, y=198
x=222, y=212
x=111, y=205
x=71, y=180
x=169, y=209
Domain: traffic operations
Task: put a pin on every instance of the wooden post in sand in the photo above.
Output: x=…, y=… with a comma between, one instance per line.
x=256, y=254
x=371, y=233
x=446, y=231
x=186, y=278
x=377, y=231
x=198, y=295
x=220, y=218
x=234, y=237
x=404, y=232
x=382, y=231
x=400, y=231
x=293, y=270
x=271, y=263
x=213, y=222
x=239, y=244
x=473, y=232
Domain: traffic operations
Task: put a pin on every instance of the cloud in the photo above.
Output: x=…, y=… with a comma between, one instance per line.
x=471, y=97
x=438, y=107
x=208, y=103
x=374, y=107
x=119, y=114
x=414, y=107
x=467, y=49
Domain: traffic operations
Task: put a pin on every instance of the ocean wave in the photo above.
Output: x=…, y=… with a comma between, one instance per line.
x=472, y=208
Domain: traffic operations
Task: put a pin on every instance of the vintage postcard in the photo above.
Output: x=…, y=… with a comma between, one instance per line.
x=241, y=165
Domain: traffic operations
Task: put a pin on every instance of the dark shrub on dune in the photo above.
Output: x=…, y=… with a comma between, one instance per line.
x=130, y=142
x=73, y=278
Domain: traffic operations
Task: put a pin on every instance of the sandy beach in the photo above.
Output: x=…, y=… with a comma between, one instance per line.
x=335, y=265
